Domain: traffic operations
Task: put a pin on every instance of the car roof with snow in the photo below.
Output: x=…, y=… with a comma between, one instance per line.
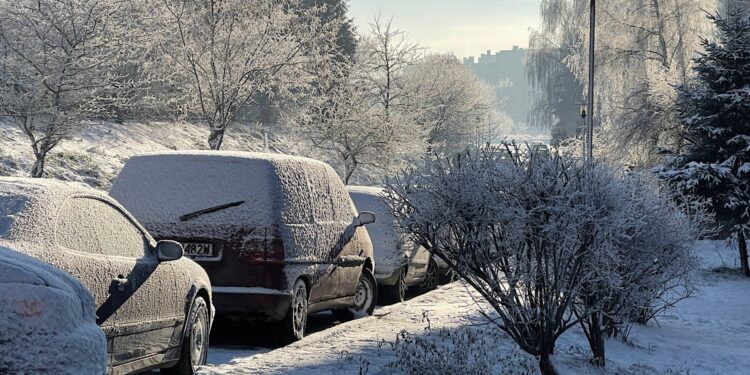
x=167, y=187
x=29, y=206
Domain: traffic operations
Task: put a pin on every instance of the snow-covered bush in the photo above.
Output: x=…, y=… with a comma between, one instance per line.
x=547, y=241
x=641, y=260
x=464, y=350
x=518, y=229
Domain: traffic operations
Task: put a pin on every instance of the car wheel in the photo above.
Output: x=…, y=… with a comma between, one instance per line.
x=390, y=294
x=294, y=324
x=448, y=277
x=365, y=297
x=195, y=342
x=430, y=279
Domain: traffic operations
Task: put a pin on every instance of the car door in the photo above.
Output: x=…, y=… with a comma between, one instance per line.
x=325, y=229
x=141, y=305
x=418, y=262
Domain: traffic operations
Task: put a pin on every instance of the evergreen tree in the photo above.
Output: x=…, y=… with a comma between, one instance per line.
x=715, y=118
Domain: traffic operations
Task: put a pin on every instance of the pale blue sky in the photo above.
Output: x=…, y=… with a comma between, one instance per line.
x=464, y=27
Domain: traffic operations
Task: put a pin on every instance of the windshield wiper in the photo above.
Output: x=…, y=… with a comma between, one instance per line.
x=209, y=210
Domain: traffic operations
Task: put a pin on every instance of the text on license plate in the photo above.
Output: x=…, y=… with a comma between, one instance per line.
x=199, y=249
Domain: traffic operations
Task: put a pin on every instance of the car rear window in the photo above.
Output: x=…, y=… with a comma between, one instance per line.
x=160, y=189
x=11, y=207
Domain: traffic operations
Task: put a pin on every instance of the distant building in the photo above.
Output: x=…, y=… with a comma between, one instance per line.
x=505, y=70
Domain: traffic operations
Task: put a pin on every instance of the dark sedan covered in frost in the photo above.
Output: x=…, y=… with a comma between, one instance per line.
x=153, y=304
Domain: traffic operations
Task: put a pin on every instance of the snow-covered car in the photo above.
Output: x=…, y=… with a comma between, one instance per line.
x=47, y=320
x=278, y=235
x=401, y=262
x=153, y=305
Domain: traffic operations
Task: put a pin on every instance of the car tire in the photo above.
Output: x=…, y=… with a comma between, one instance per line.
x=390, y=294
x=431, y=277
x=194, y=348
x=295, y=322
x=365, y=298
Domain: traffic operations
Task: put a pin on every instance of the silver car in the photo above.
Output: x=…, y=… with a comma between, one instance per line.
x=401, y=263
x=153, y=304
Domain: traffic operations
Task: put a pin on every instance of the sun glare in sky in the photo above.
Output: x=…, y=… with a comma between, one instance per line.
x=464, y=27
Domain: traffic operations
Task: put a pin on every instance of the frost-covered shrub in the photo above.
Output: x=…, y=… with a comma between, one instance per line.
x=520, y=228
x=549, y=242
x=465, y=350
x=641, y=262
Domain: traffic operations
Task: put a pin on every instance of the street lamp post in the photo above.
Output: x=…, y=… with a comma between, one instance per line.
x=590, y=131
x=584, y=129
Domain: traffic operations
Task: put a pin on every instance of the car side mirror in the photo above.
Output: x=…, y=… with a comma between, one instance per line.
x=364, y=218
x=168, y=250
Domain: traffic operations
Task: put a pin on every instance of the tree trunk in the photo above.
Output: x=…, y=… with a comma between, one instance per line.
x=37, y=171
x=596, y=340
x=545, y=365
x=215, y=138
x=743, y=253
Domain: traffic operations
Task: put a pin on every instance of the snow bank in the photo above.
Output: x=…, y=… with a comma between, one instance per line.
x=47, y=320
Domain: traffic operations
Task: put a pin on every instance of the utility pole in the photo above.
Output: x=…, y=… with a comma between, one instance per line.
x=590, y=131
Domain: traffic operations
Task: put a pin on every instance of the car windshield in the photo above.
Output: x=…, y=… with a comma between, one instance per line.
x=11, y=206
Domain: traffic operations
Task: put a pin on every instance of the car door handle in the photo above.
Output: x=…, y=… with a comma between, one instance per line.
x=120, y=282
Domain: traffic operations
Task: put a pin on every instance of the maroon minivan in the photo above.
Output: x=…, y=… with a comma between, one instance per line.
x=278, y=235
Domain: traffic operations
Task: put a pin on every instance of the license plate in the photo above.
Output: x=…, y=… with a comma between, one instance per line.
x=199, y=249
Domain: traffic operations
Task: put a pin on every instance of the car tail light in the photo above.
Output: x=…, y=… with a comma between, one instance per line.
x=262, y=252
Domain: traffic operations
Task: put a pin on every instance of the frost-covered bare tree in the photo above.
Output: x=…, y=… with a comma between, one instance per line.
x=57, y=66
x=449, y=101
x=350, y=125
x=557, y=90
x=387, y=53
x=643, y=51
x=231, y=51
x=363, y=113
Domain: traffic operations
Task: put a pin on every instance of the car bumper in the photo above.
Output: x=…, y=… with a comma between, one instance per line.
x=251, y=304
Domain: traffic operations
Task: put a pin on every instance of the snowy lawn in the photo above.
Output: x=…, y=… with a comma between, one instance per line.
x=708, y=334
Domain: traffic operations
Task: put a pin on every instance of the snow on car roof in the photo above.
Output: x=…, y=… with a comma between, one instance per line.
x=162, y=187
x=29, y=205
x=372, y=190
x=239, y=155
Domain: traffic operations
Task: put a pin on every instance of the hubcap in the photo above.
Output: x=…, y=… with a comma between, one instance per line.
x=430, y=277
x=363, y=294
x=197, y=340
x=401, y=287
x=300, y=310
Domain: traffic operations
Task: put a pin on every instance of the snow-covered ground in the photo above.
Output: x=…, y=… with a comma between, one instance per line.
x=96, y=155
x=708, y=334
